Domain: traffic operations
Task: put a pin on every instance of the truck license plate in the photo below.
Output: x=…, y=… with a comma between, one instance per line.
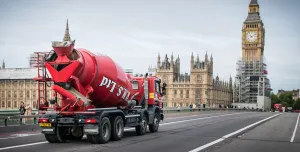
x=45, y=125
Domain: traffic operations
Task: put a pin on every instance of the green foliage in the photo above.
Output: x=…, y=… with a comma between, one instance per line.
x=274, y=100
x=284, y=104
x=297, y=105
x=285, y=98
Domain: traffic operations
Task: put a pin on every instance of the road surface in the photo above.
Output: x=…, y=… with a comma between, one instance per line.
x=277, y=135
x=221, y=131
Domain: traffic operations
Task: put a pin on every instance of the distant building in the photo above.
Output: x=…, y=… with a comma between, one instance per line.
x=295, y=92
x=152, y=71
x=35, y=59
x=196, y=88
x=17, y=85
x=129, y=71
x=252, y=86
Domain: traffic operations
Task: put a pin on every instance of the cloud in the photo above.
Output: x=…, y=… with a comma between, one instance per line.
x=134, y=34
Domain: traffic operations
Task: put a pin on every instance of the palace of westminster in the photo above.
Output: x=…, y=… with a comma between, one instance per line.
x=197, y=88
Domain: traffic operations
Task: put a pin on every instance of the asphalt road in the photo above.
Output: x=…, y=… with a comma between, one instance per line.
x=277, y=135
x=176, y=134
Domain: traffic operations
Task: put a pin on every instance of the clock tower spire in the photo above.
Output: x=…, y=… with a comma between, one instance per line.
x=253, y=34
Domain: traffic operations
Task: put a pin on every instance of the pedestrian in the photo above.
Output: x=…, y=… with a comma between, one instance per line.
x=22, y=112
x=28, y=110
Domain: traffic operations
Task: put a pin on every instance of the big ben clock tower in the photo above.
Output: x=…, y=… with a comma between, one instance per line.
x=252, y=86
x=253, y=34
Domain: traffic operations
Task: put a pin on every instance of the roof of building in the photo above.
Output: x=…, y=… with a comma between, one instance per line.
x=253, y=17
x=18, y=73
x=253, y=2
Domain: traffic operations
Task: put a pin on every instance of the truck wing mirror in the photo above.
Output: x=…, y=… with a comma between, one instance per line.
x=163, y=90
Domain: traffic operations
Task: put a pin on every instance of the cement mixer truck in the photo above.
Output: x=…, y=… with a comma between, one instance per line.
x=96, y=98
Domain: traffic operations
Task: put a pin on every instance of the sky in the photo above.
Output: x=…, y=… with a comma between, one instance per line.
x=133, y=32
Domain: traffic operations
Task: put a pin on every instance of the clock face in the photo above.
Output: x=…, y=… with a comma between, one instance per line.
x=251, y=36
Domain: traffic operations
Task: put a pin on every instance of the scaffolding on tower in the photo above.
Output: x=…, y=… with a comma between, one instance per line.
x=251, y=80
x=37, y=60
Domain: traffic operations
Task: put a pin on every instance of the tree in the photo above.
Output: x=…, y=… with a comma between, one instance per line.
x=284, y=104
x=274, y=100
x=297, y=104
x=287, y=97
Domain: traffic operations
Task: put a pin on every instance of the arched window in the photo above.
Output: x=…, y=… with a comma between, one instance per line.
x=164, y=79
x=15, y=104
x=34, y=104
x=199, y=79
x=187, y=93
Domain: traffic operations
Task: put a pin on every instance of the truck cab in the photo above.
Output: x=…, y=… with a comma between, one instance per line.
x=152, y=88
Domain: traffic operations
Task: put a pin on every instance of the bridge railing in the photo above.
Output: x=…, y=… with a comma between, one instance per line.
x=14, y=117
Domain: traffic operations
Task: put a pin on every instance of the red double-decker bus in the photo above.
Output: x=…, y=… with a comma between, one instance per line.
x=278, y=107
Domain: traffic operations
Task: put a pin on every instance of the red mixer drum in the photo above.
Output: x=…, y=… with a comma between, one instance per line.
x=99, y=74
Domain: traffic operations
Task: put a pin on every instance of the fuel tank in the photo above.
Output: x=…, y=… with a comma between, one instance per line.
x=96, y=77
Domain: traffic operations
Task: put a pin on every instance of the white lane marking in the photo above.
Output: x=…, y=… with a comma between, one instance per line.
x=13, y=136
x=182, y=117
x=20, y=135
x=17, y=146
x=198, y=119
x=295, y=130
x=231, y=134
x=193, y=115
x=168, y=123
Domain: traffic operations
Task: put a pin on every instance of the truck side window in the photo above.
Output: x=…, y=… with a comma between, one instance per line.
x=135, y=85
x=157, y=87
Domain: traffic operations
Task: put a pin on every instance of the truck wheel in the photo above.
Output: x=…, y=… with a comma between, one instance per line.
x=155, y=125
x=142, y=128
x=117, y=128
x=51, y=138
x=60, y=136
x=76, y=134
x=104, y=132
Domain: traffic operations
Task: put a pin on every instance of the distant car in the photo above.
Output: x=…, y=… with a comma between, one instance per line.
x=289, y=109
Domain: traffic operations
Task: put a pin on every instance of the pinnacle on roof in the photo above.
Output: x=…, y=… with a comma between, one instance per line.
x=67, y=36
x=253, y=2
x=3, y=64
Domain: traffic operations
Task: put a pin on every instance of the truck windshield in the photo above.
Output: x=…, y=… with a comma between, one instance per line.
x=135, y=85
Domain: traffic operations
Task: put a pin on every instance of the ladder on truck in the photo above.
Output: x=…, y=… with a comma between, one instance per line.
x=43, y=80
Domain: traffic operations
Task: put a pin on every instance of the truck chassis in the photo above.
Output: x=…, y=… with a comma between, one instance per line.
x=100, y=124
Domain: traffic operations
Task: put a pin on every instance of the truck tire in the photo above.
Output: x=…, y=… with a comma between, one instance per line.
x=142, y=128
x=61, y=134
x=104, y=133
x=117, y=128
x=59, y=137
x=76, y=135
x=51, y=138
x=155, y=125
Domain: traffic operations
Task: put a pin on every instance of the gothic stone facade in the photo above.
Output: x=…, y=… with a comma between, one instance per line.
x=17, y=85
x=197, y=88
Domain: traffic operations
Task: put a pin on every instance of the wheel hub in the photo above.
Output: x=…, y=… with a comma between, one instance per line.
x=156, y=122
x=119, y=128
x=105, y=131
